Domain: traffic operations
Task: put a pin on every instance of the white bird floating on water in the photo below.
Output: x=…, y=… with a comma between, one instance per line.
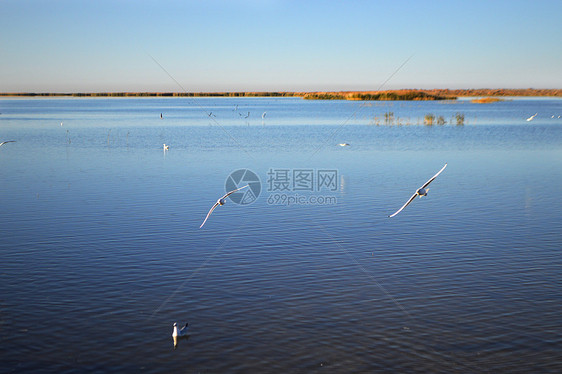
x=181, y=332
x=344, y=144
x=7, y=141
x=178, y=334
x=422, y=191
x=532, y=117
x=221, y=201
x=166, y=147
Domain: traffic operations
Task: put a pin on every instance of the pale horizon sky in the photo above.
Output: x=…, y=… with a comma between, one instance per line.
x=99, y=46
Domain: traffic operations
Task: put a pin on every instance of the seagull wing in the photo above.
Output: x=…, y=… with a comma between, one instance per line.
x=217, y=203
x=435, y=176
x=233, y=191
x=208, y=214
x=7, y=141
x=405, y=205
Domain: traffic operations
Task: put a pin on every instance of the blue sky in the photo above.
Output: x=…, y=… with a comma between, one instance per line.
x=90, y=46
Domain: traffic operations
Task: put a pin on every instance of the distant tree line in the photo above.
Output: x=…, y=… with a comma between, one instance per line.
x=407, y=94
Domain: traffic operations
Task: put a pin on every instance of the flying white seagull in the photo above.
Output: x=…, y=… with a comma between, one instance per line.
x=532, y=117
x=7, y=141
x=422, y=191
x=221, y=201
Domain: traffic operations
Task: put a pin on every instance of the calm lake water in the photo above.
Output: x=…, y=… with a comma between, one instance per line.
x=101, y=250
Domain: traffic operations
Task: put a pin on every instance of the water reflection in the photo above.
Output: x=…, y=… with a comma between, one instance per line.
x=176, y=340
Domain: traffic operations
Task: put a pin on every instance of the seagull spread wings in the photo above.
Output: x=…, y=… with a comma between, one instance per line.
x=405, y=205
x=435, y=176
x=417, y=192
x=219, y=203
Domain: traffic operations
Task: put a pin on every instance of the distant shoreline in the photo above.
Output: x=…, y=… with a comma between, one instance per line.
x=387, y=95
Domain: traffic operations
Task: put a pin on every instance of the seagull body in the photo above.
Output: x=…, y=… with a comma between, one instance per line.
x=422, y=191
x=220, y=201
x=532, y=117
x=263, y=115
x=166, y=147
x=7, y=141
x=344, y=144
x=181, y=332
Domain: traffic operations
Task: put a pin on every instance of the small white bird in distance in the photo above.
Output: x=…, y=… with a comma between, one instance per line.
x=7, y=141
x=422, y=191
x=220, y=201
x=182, y=332
x=176, y=335
x=532, y=117
x=263, y=115
x=166, y=147
x=344, y=144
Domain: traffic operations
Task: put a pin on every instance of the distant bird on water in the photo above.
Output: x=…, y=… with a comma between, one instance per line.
x=178, y=334
x=220, y=201
x=532, y=117
x=181, y=332
x=166, y=147
x=422, y=191
x=161, y=116
x=344, y=144
x=7, y=141
x=263, y=115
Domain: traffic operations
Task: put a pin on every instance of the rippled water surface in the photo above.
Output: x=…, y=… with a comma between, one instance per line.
x=101, y=250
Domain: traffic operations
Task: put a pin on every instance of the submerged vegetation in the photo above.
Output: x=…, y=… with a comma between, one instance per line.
x=430, y=119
